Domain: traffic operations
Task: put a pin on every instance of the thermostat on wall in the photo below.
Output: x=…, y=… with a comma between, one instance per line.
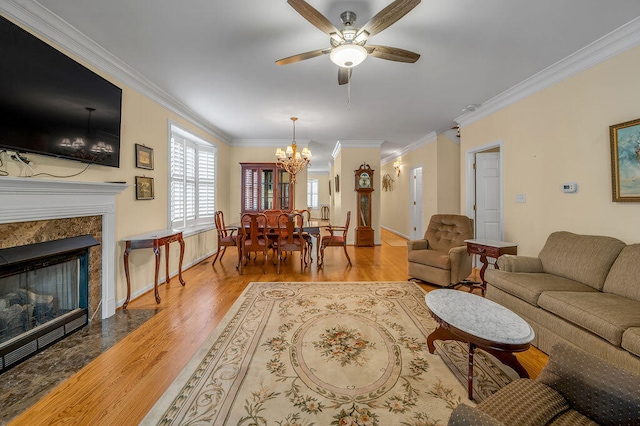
x=570, y=187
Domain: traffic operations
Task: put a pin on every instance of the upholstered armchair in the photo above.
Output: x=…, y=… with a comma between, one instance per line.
x=441, y=256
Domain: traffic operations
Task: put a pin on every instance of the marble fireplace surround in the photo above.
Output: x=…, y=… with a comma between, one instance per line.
x=31, y=199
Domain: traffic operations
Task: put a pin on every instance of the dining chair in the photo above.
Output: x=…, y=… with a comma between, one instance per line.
x=254, y=238
x=290, y=237
x=226, y=237
x=337, y=238
x=306, y=216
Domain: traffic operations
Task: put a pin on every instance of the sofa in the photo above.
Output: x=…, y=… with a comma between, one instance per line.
x=574, y=388
x=441, y=256
x=582, y=290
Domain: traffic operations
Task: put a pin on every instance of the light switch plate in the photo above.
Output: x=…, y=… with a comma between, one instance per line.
x=521, y=198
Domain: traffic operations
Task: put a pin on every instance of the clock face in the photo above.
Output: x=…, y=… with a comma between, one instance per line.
x=365, y=181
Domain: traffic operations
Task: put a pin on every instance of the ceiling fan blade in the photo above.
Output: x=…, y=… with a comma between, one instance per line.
x=344, y=75
x=388, y=16
x=302, y=56
x=392, y=53
x=312, y=15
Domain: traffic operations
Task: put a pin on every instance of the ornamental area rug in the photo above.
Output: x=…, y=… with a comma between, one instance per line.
x=341, y=353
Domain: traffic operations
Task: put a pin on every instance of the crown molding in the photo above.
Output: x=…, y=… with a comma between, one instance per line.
x=608, y=46
x=425, y=140
x=268, y=143
x=51, y=27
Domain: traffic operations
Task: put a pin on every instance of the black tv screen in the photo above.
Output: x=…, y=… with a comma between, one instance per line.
x=52, y=105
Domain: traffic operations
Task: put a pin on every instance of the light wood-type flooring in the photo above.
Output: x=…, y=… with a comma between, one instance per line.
x=121, y=385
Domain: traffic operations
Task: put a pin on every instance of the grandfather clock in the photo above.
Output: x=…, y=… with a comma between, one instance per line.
x=364, y=188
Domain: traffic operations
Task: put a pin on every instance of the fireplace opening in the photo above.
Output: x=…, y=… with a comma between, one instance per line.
x=44, y=291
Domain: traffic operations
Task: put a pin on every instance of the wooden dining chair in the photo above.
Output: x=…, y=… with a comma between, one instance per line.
x=253, y=231
x=226, y=237
x=306, y=216
x=337, y=238
x=290, y=237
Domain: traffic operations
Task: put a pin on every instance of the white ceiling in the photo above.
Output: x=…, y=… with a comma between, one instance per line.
x=218, y=59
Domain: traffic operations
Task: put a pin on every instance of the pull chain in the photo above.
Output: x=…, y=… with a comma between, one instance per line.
x=349, y=90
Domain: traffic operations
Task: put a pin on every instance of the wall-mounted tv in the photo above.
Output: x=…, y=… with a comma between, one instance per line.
x=52, y=105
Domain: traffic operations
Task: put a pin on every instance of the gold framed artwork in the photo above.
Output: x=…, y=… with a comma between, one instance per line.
x=144, y=157
x=144, y=188
x=336, y=183
x=625, y=161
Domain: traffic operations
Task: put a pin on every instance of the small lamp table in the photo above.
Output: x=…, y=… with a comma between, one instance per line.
x=489, y=248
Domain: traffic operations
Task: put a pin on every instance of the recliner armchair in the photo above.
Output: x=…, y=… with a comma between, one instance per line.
x=441, y=256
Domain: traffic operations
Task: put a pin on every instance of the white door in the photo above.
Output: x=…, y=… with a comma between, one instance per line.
x=416, y=209
x=488, y=207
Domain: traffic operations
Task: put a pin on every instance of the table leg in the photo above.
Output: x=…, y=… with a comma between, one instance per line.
x=440, y=333
x=156, y=250
x=472, y=349
x=126, y=273
x=166, y=259
x=181, y=242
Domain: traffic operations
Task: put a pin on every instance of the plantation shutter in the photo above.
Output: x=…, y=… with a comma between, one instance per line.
x=192, y=180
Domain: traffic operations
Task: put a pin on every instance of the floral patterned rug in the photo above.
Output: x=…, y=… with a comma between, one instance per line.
x=340, y=353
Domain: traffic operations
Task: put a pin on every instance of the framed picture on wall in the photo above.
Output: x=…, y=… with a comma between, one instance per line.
x=144, y=157
x=337, y=183
x=144, y=188
x=625, y=161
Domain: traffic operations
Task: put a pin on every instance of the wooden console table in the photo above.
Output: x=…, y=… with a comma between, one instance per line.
x=153, y=240
x=489, y=248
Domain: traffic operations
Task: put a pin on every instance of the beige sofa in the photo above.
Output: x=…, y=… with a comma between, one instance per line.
x=582, y=290
x=574, y=388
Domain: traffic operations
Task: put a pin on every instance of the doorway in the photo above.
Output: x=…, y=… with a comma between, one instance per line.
x=485, y=191
x=416, y=209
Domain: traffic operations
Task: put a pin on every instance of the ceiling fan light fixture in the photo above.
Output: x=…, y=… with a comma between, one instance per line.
x=348, y=55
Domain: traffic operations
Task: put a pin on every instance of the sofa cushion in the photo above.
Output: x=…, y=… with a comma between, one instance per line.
x=623, y=276
x=607, y=394
x=465, y=415
x=583, y=258
x=433, y=258
x=529, y=286
x=606, y=315
x=524, y=402
x=631, y=340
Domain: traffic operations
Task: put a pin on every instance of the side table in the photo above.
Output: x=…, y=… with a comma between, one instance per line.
x=153, y=240
x=489, y=248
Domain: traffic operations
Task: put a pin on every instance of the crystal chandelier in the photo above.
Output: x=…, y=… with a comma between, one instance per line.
x=290, y=159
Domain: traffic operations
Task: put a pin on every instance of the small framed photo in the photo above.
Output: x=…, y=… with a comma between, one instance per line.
x=625, y=161
x=144, y=157
x=144, y=188
x=337, y=183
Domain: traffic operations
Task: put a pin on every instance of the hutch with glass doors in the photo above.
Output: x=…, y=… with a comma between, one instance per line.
x=265, y=187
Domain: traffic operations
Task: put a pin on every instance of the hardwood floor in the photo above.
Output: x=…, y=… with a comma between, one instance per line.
x=121, y=385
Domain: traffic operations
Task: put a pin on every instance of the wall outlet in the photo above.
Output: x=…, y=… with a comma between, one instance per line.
x=521, y=198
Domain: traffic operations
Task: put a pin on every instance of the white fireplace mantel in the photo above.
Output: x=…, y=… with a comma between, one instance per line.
x=29, y=199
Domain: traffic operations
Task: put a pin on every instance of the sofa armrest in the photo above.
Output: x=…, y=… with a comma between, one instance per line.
x=604, y=392
x=465, y=415
x=417, y=245
x=511, y=263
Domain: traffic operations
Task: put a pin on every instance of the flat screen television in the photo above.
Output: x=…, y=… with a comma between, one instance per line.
x=52, y=105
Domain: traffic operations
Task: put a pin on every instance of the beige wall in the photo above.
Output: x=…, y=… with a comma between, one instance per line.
x=440, y=162
x=143, y=122
x=562, y=135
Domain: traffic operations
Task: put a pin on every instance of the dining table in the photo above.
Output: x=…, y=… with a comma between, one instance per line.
x=311, y=227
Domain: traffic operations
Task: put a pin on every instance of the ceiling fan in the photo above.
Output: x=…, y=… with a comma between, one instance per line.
x=349, y=46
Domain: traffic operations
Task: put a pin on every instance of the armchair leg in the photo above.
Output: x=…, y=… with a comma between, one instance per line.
x=347, y=254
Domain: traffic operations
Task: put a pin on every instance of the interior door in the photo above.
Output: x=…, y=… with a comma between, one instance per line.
x=488, y=208
x=416, y=208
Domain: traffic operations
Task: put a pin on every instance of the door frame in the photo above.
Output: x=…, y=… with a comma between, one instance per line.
x=470, y=196
x=412, y=213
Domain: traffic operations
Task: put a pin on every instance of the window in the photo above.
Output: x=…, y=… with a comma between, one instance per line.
x=312, y=193
x=192, y=179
